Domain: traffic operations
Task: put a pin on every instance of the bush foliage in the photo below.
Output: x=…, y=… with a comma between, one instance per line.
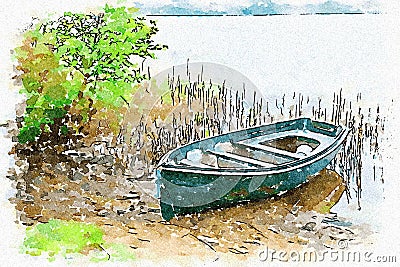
x=79, y=72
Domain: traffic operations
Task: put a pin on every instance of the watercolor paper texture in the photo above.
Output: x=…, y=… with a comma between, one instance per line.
x=192, y=133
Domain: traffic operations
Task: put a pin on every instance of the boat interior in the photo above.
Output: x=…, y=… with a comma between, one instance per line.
x=264, y=151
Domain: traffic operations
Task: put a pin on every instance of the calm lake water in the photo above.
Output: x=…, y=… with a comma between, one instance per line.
x=312, y=55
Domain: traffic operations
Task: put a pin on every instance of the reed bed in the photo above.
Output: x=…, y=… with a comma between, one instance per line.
x=190, y=109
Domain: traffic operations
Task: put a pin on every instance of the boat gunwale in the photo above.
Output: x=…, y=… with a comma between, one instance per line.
x=290, y=166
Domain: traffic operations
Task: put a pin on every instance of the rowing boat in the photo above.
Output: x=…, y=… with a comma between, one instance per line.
x=245, y=165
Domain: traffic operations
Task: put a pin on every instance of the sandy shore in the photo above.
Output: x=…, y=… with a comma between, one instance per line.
x=298, y=220
x=94, y=188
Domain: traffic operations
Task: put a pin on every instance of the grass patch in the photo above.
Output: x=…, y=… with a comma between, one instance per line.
x=59, y=237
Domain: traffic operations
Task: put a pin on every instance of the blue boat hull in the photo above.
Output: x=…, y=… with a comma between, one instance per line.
x=271, y=185
x=185, y=192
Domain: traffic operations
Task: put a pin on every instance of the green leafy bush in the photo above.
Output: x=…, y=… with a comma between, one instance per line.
x=79, y=72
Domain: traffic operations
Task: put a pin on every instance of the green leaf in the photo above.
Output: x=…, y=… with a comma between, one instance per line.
x=55, y=113
x=55, y=92
x=64, y=130
x=28, y=134
x=30, y=84
x=32, y=100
